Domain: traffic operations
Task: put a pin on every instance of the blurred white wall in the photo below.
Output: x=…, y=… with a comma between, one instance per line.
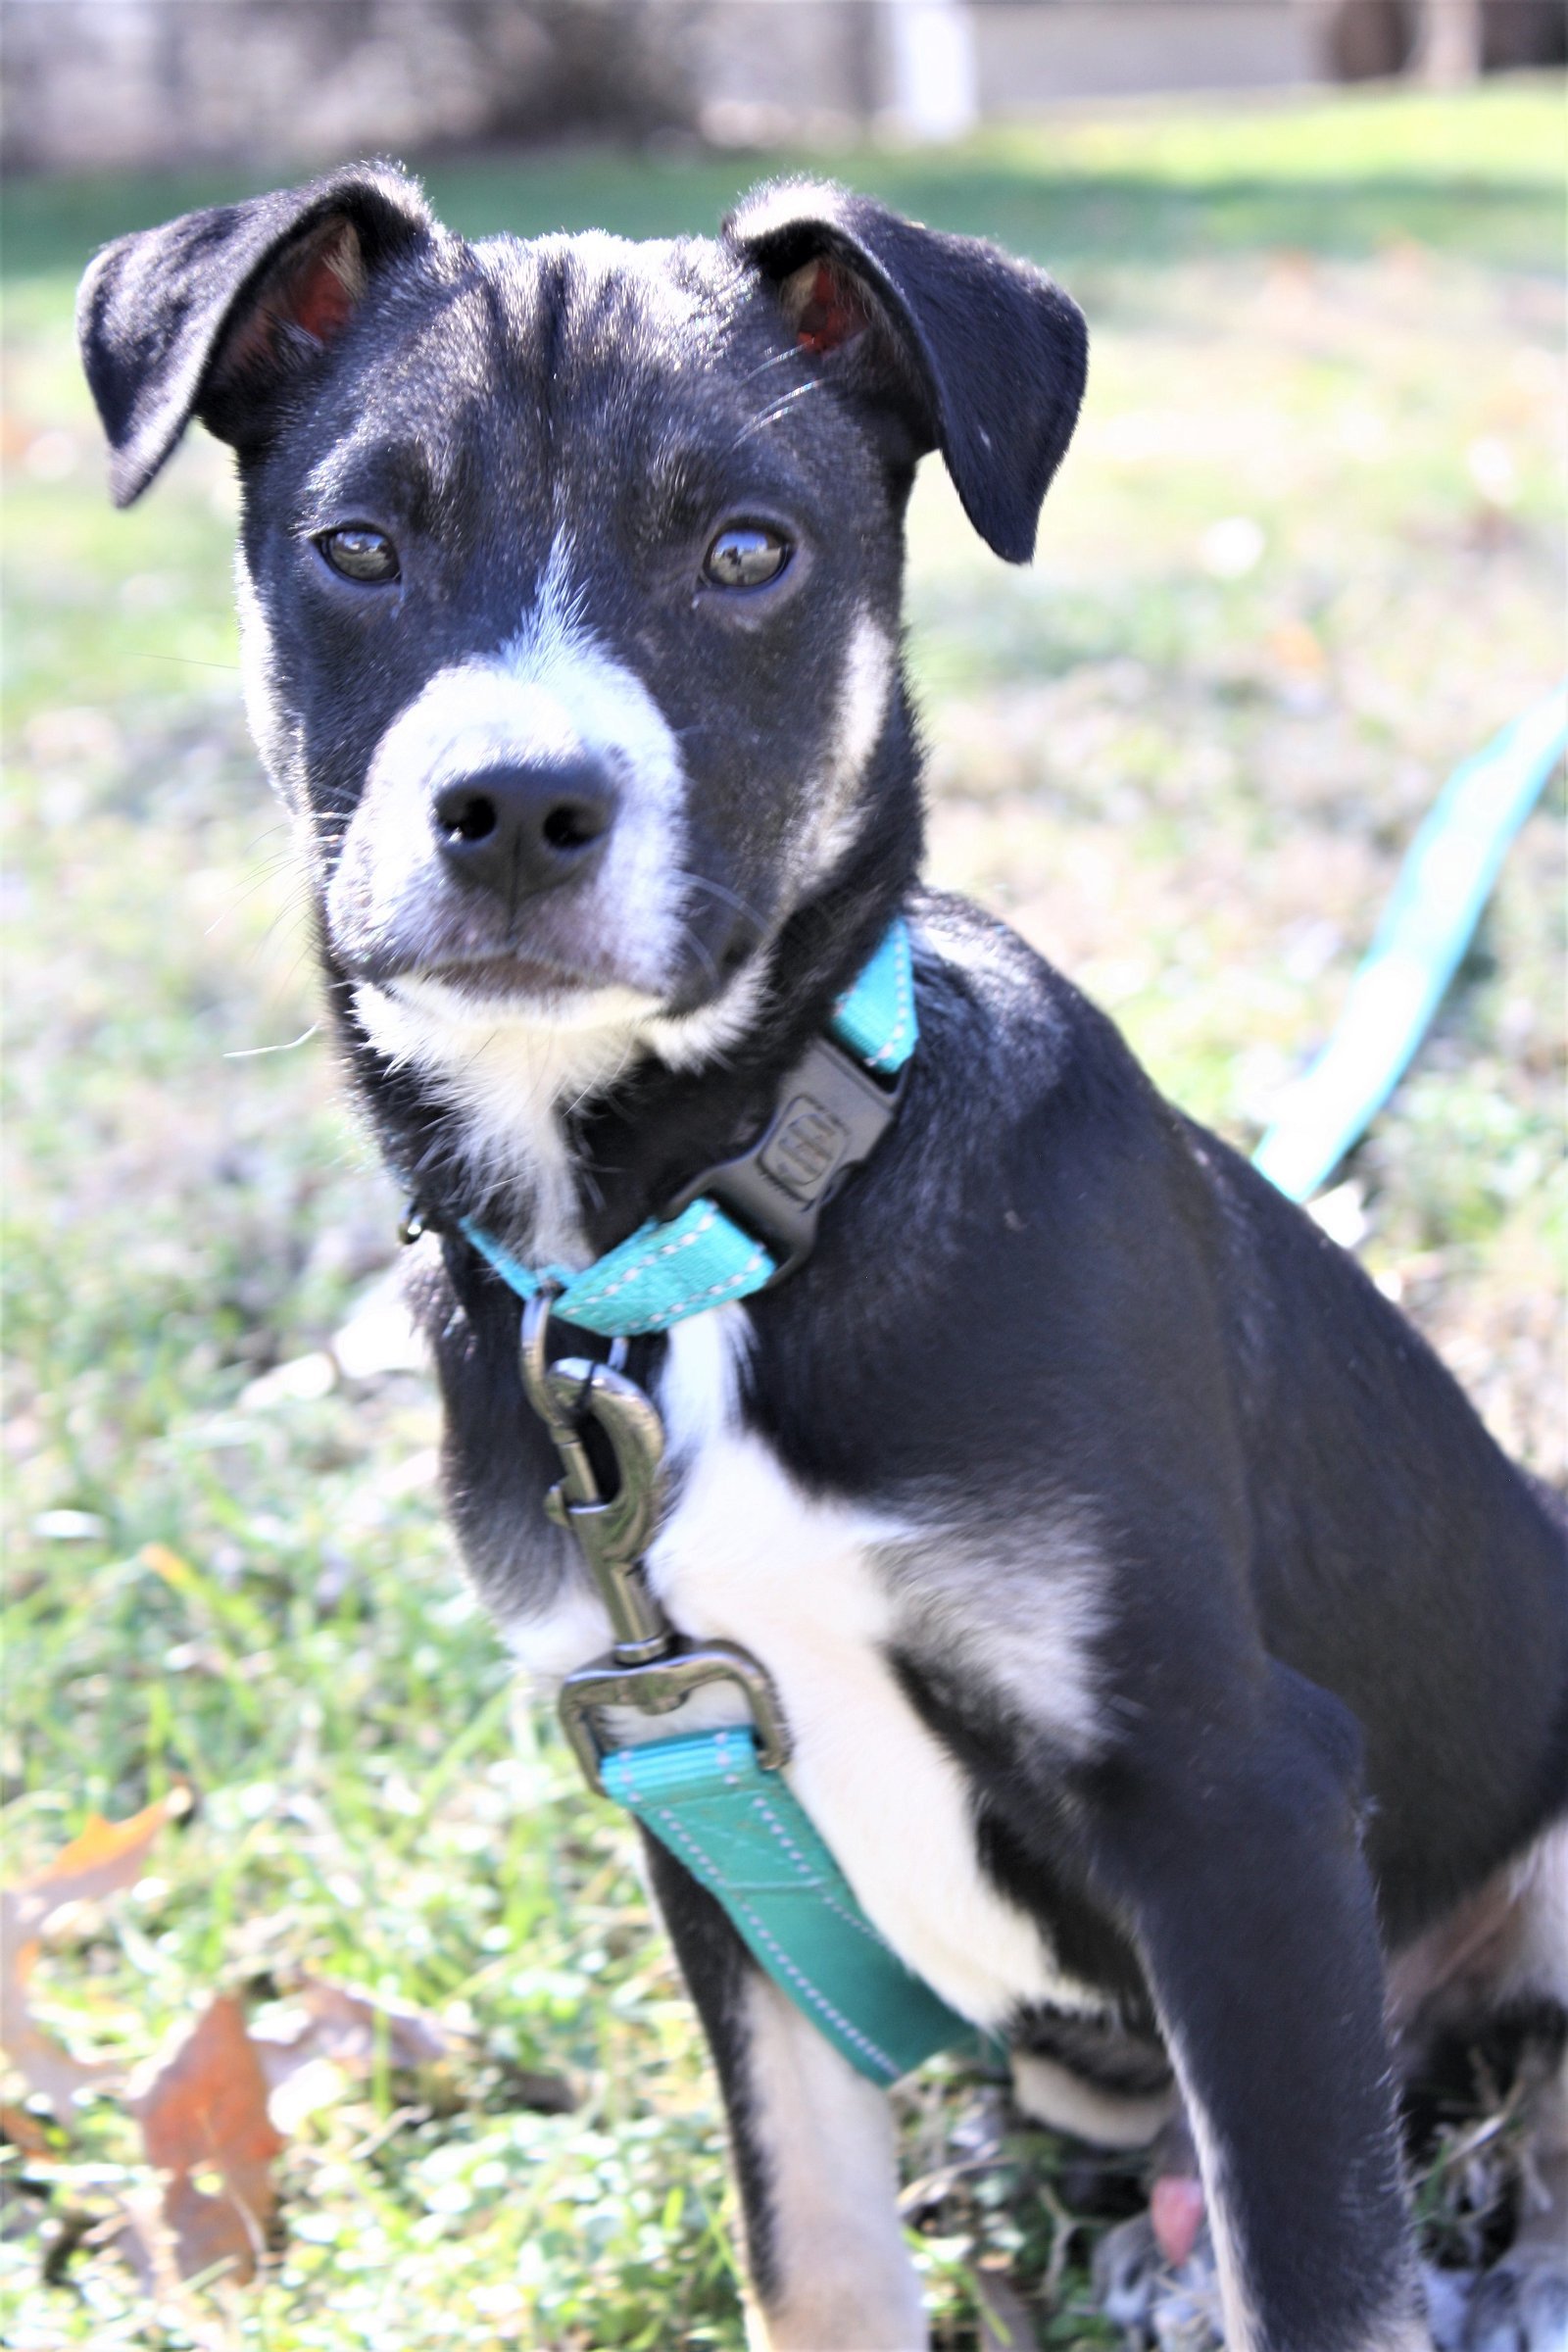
x=934, y=74
x=1032, y=52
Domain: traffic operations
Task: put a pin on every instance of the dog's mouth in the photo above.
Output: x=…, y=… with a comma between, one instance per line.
x=497, y=991
x=485, y=979
x=467, y=977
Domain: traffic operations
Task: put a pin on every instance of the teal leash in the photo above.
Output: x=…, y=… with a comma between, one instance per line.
x=1441, y=887
x=720, y=1801
x=743, y=1833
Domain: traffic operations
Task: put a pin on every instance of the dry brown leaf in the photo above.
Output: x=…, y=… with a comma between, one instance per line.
x=330, y=2031
x=351, y=2028
x=206, y=2112
x=1296, y=649
x=24, y=2131
x=107, y=1856
x=138, y=2231
x=45, y=2067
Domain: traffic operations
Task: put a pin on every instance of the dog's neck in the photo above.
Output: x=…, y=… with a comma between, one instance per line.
x=559, y=1141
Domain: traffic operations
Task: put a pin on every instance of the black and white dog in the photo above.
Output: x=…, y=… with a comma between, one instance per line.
x=1175, y=1666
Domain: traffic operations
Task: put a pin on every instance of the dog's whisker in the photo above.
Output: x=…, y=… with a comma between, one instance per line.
x=242, y=894
x=191, y=661
x=695, y=941
x=602, y=1085
x=775, y=359
x=270, y=832
x=772, y=415
x=254, y=1052
x=720, y=890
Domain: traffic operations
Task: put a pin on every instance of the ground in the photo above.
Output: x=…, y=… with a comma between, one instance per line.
x=1303, y=558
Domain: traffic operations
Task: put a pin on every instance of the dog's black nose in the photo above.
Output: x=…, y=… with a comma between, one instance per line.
x=524, y=829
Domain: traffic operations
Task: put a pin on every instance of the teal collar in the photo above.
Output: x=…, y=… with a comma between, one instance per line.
x=750, y=1222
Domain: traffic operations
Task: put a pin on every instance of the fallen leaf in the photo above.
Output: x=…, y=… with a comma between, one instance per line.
x=1296, y=649
x=304, y=2090
x=334, y=2027
x=205, y=2112
x=46, y=2067
x=137, y=2232
x=107, y=1856
x=24, y=2131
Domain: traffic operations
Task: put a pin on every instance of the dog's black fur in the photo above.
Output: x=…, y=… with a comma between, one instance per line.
x=1327, y=1635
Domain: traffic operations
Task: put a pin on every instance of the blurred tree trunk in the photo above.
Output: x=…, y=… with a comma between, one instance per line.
x=1365, y=39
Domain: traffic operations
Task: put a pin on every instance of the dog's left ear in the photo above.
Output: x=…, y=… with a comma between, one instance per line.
x=982, y=356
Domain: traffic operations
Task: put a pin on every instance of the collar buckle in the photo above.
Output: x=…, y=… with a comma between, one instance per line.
x=830, y=1115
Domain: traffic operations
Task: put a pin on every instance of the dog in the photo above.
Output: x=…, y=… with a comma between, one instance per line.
x=1174, y=1665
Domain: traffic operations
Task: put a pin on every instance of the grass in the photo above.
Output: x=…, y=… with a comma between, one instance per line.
x=1183, y=758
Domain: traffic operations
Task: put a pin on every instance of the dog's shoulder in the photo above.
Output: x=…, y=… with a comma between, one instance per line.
x=1005, y=1031
x=1026, y=1095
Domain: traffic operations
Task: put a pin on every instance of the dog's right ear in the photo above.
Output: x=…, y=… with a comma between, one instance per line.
x=214, y=313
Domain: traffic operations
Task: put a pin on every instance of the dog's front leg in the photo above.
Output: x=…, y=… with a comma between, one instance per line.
x=1234, y=1855
x=814, y=2150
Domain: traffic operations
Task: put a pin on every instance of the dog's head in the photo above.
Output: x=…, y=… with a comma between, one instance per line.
x=571, y=569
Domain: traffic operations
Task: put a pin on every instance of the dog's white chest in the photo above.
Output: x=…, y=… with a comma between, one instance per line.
x=749, y=1557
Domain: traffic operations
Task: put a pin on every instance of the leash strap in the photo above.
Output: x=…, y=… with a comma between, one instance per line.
x=718, y=1801
x=1445, y=882
x=679, y=1266
x=743, y=1833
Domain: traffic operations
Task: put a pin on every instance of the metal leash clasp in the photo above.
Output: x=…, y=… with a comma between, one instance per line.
x=651, y=1666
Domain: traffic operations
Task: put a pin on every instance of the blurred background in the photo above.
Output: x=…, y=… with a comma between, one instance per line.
x=147, y=84
x=1305, y=556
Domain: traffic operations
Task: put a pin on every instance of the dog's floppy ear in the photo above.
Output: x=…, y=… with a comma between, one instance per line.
x=987, y=357
x=212, y=313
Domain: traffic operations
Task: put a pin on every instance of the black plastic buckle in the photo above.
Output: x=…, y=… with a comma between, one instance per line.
x=831, y=1115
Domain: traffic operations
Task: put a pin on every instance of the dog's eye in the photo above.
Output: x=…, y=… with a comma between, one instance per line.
x=745, y=557
x=360, y=554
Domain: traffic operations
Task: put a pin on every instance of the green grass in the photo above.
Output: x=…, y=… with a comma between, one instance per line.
x=1338, y=174
x=1339, y=321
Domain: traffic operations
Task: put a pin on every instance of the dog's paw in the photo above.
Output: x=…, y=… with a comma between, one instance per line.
x=1521, y=2305
x=1158, y=2308
x=1447, y=2295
